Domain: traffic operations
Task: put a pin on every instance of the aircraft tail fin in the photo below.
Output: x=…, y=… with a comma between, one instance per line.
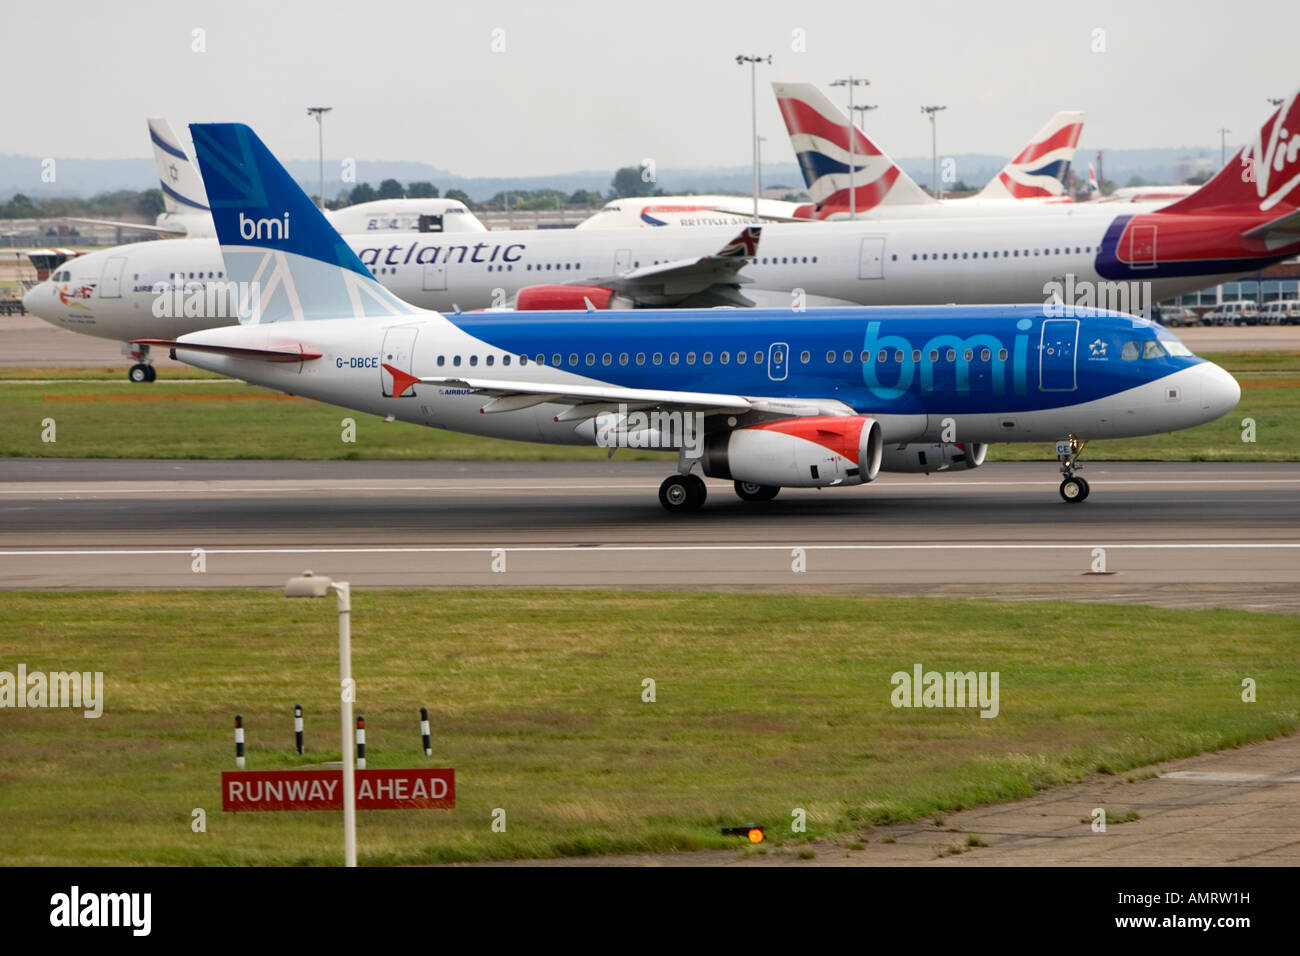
x=1264, y=175
x=819, y=133
x=182, y=186
x=290, y=263
x=1042, y=168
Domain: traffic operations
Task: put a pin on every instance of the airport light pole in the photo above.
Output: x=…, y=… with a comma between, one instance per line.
x=851, y=81
x=308, y=585
x=1223, y=146
x=934, y=148
x=319, y=112
x=753, y=62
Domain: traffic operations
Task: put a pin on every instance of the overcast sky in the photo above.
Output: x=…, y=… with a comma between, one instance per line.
x=596, y=85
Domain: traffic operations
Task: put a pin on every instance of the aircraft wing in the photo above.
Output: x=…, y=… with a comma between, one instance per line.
x=588, y=401
x=704, y=280
x=143, y=227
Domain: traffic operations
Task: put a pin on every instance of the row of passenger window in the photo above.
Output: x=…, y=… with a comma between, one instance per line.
x=1005, y=254
x=723, y=358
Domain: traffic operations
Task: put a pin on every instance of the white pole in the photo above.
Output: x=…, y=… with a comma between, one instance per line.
x=753, y=105
x=347, y=692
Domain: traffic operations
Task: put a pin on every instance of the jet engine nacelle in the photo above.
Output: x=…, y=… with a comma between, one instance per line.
x=934, y=456
x=546, y=298
x=798, y=452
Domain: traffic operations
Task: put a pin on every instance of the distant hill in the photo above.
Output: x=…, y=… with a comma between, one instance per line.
x=88, y=177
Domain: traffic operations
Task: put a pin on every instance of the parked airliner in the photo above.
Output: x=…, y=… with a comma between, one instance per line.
x=1230, y=227
x=766, y=399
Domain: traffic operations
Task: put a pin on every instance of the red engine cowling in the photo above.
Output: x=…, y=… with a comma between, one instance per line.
x=798, y=452
x=546, y=298
x=934, y=456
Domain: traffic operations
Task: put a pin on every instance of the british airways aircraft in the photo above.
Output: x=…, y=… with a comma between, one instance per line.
x=1031, y=183
x=767, y=399
x=1242, y=220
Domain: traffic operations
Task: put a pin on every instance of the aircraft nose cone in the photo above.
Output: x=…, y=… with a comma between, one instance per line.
x=34, y=295
x=1219, y=391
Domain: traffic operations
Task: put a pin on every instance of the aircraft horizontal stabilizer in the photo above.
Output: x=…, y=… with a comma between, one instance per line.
x=138, y=226
x=1280, y=232
x=295, y=353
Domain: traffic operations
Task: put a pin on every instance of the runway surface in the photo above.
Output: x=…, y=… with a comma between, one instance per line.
x=1175, y=534
x=29, y=342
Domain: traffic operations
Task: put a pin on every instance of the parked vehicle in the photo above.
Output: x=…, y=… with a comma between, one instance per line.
x=1178, y=315
x=1280, y=312
x=1242, y=312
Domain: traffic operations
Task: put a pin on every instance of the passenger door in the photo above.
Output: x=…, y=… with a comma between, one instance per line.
x=1057, y=351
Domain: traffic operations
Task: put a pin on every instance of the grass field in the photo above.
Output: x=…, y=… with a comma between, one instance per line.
x=217, y=418
x=765, y=703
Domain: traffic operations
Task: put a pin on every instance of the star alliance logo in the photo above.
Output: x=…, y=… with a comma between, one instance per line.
x=1098, y=348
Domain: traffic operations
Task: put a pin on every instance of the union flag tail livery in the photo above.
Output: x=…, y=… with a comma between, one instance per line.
x=289, y=262
x=820, y=136
x=1041, y=169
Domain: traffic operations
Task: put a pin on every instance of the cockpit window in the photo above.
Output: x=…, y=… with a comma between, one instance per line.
x=1130, y=351
x=1176, y=348
x=1153, y=349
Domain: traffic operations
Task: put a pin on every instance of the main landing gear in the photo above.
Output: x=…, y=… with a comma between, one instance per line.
x=748, y=491
x=1073, y=488
x=682, y=493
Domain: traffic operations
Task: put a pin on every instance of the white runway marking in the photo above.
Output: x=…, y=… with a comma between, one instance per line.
x=1211, y=776
x=204, y=486
x=488, y=549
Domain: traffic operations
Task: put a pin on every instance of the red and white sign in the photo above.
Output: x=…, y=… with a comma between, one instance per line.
x=425, y=789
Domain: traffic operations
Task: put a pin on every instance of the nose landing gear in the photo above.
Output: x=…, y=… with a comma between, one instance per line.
x=1073, y=488
x=142, y=370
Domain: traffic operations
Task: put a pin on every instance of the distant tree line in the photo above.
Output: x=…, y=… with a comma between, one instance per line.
x=120, y=204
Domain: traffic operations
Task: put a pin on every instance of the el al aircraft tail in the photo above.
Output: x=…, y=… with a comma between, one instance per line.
x=182, y=187
x=275, y=242
x=1264, y=176
x=820, y=136
x=1042, y=168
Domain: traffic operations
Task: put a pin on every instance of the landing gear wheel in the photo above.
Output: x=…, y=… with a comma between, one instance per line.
x=1074, y=489
x=682, y=493
x=140, y=373
x=748, y=491
x=153, y=373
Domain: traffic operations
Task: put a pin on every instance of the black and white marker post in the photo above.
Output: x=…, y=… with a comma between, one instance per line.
x=361, y=742
x=297, y=727
x=424, y=732
x=239, y=741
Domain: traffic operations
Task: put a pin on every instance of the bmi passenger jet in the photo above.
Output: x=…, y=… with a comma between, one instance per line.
x=767, y=399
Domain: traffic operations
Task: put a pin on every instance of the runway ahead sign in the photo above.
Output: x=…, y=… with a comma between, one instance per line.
x=424, y=789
